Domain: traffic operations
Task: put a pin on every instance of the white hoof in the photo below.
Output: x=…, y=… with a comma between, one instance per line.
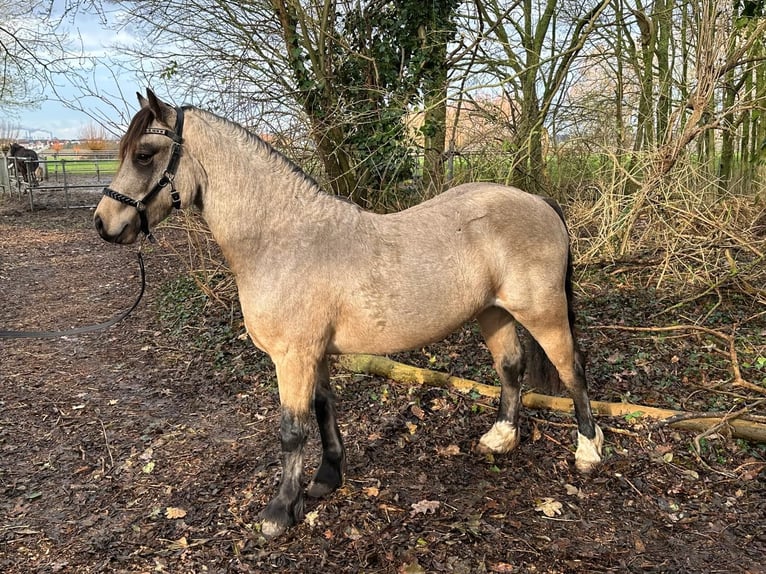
x=588, y=454
x=502, y=437
x=271, y=529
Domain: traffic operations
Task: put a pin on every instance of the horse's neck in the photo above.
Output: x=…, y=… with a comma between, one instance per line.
x=252, y=193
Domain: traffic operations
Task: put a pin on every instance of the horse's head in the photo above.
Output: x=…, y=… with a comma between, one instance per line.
x=145, y=188
x=14, y=149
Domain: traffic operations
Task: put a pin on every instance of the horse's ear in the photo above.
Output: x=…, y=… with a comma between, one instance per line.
x=142, y=101
x=161, y=111
x=154, y=104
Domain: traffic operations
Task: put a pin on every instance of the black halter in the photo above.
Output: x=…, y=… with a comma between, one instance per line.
x=168, y=176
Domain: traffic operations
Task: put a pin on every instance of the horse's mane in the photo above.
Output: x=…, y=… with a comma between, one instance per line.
x=136, y=129
x=145, y=116
x=250, y=139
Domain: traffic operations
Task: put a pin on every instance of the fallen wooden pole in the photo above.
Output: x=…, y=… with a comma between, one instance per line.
x=740, y=427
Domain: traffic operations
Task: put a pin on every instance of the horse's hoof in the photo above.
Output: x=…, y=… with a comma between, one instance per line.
x=276, y=518
x=502, y=437
x=319, y=489
x=271, y=529
x=588, y=455
x=328, y=478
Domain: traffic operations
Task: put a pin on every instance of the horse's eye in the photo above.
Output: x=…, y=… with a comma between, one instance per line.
x=144, y=158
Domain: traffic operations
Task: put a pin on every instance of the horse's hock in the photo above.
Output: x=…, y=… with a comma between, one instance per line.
x=60, y=180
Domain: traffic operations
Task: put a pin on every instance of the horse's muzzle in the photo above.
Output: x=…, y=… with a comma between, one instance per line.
x=121, y=237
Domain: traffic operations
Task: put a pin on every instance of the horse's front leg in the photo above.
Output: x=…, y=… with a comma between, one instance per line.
x=329, y=475
x=296, y=377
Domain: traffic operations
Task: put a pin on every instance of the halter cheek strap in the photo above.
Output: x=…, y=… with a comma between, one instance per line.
x=168, y=176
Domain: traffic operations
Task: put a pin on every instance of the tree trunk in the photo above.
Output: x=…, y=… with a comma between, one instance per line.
x=645, y=127
x=661, y=17
x=435, y=123
x=727, y=134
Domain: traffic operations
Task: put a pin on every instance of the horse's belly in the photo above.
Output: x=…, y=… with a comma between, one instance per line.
x=375, y=341
x=397, y=328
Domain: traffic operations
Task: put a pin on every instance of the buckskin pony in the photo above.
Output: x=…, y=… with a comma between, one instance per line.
x=318, y=275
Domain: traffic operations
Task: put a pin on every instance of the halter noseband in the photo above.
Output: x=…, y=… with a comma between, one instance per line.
x=168, y=176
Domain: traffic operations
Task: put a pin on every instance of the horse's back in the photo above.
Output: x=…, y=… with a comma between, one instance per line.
x=412, y=277
x=514, y=208
x=498, y=222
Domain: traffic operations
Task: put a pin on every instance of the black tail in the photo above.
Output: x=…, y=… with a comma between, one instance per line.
x=541, y=374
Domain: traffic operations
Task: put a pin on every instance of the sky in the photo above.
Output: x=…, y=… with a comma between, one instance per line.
x=53, y=119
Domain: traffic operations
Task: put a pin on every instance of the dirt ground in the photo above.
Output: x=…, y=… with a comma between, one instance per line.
x=152, y=446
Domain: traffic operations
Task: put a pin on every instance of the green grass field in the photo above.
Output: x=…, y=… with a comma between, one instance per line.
x=83, y=166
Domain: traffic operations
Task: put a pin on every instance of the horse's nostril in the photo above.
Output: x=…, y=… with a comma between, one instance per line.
x=98, y=223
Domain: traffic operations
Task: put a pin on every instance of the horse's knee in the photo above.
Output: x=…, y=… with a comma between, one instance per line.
x=293, y=430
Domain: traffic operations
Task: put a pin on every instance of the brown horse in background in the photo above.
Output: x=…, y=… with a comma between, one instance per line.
x=317, y=275
x=25, y=162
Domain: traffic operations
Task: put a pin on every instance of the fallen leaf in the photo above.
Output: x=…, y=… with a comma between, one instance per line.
x=549, y=507
x=439, y=404
x=418, y=412
x=639, y=545
x=174, y=512
x=412, y=427
x=752, y=473
x=312, y=518
x=372, y=491
x=502, y=568
x=148, y=468
x=180, y=544
x=572, y=490
x=353, y=533
x=424, y=507
x=411, y=568
x=451, y=450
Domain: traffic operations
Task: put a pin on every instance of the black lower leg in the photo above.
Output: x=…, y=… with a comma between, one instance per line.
x=511, y=371
x=586, y=426
x=329, y=476
x=286, y=508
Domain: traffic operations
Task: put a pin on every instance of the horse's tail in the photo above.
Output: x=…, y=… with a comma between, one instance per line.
x=541, y=374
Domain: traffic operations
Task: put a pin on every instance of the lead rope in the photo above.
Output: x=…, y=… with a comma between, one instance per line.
x=85, y=329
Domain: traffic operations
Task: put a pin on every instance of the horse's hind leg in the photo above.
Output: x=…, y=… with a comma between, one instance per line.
x=554, y=335
x=499, y=331
x=296, y=377
x=329, y=476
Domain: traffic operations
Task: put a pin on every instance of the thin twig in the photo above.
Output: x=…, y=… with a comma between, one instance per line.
x=106, y=442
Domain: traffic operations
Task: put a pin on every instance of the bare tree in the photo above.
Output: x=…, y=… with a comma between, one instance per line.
x=539, y=41
x=348, y=70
